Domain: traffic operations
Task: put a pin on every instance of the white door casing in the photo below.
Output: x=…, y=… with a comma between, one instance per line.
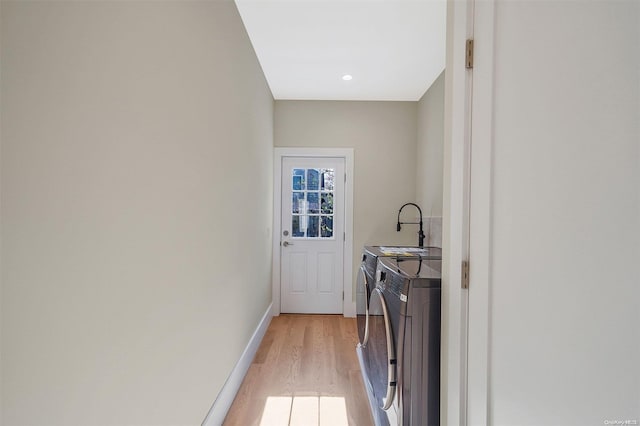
x=480, y=196
x=467, y=212
x=312, y=269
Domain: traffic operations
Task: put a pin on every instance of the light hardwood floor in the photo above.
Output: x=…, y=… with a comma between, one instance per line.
x=305, y=373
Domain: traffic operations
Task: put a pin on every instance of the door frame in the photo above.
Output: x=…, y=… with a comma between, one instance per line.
x=467, y=224
x=348, y=303
x=480, y=216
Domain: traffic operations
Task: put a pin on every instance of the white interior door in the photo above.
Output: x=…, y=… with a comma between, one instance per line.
x=312, y=235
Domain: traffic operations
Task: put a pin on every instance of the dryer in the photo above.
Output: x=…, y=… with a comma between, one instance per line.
x=400, y=362
x=366, y=276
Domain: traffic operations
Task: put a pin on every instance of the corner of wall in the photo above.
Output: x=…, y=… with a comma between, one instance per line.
x=429, y=149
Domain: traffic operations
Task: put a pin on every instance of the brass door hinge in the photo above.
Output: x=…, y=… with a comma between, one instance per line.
x=465, y=274
x=469, y=54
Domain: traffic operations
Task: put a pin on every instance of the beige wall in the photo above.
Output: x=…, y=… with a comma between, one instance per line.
x=430, y=160
x=564, y=296
x=136, y=169
x=429, y=155
x=383, y=136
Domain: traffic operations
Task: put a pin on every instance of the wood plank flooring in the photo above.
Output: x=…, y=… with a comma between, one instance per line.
x=305, y=372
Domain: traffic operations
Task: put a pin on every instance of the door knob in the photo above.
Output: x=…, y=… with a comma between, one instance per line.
x=286, y=243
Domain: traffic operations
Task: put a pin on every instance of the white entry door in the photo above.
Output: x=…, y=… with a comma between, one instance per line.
x=312, y=235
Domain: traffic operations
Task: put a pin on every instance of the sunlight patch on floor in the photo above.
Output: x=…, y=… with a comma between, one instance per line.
x=333, y=411
x=277, y=410
x=305, y=411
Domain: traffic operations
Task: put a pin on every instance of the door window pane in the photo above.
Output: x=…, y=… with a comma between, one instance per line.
x=326, y=203
x=298, y=179
x=296, y=229
x=313, y=179
x=295, y=202
x=312, y=203
x=312, y=229
x=328, y=177
x=312, y=199
x=326, y=226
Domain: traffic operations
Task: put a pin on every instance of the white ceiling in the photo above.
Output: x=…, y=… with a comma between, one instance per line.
x=394, y=49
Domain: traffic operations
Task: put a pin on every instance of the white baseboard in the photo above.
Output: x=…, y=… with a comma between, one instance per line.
x=227, y=394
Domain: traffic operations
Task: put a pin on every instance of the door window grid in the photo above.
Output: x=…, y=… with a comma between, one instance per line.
x=312, y=203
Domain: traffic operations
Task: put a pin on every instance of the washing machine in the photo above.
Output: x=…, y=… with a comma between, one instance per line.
x=400, y=361
x=366, y=276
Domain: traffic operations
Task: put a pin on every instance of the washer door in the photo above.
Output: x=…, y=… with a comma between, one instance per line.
x=363, y=292
x=380, y=351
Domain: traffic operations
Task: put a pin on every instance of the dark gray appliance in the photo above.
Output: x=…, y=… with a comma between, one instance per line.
x=400, y=361
x=366, y=275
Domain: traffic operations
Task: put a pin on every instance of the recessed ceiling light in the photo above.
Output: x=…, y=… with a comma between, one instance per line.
x=347, y=77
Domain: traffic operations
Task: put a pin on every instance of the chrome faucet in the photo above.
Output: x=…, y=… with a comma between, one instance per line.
x=420, y=232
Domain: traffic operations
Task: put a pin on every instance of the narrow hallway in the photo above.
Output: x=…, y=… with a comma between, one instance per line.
x=305, y=373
